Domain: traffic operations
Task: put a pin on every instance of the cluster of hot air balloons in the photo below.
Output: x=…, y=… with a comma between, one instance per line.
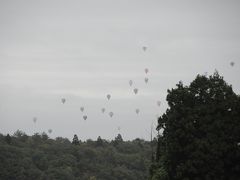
x=82, y=110
x=135, y=90
x=146, y=80
x=63, y=100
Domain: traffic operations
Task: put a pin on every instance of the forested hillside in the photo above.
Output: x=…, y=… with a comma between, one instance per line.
x=39, y=157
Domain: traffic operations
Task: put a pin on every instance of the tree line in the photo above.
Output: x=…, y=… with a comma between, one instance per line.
x=40, y=158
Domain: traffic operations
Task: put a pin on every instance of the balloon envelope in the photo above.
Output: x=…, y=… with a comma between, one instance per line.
x=103, y=110
x=82, y=109
x=146, y=70
x=34, y=119
x=135, y=90
x=63, y=100
x=158, y=103
x=130, y=82
x=50, y=131
x=232, y=63
x=137, y=111
x=146, y=80
x=111, y=114
x=144, y=48
x=85, y=117
x=108, y=96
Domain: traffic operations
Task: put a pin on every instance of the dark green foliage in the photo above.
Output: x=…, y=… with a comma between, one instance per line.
x=99, y=141
x=40, y=158
x=118, y=140
x=201, y=130
x=8, y=139
x=75, y=140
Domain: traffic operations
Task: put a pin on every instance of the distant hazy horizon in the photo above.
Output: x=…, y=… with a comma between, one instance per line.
x=84, y=50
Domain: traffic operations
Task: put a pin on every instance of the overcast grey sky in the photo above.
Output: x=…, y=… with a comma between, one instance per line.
x=83, y=50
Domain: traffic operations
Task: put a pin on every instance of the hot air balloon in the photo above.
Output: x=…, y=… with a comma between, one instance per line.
x=158, y=103
x=146, y=80
x=135, y=90
x=146, y=70
x=85, y=117
x=111, y=114
x=50, y=131
x=63, y=100
x=144, y=48
x=108, y=96
x=103, y=110
x=82, y=109
x=130, y=82
x=232, y=63
x=34, y=119
x=137, y=111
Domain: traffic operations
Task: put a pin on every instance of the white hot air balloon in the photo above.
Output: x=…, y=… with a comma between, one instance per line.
x=144, y=48
x=108, y=96
x=135, y=90
x=82, y=109
x=137, y=111
x=63, y=100
x=34, y=119
x=50, y=131
x=111, y=114
x=146, y=80
x=158, y=103
x=103, y=110
x=146, y=70
x=130, y=82
x=85, y=117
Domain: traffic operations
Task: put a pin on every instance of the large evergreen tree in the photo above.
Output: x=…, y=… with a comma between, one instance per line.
x=201, y=132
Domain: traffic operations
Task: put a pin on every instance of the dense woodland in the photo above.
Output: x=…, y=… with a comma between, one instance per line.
x=36, y=157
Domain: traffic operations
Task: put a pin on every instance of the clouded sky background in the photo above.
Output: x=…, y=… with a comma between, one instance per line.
x=83, y=50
